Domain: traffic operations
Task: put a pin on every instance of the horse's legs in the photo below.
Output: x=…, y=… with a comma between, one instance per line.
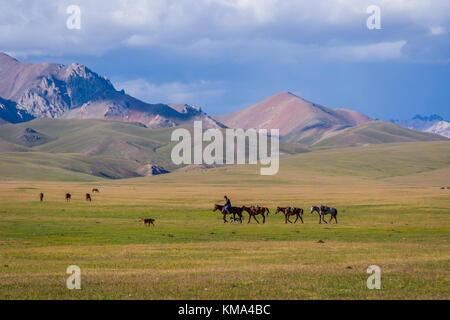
x=249, y=217
x=264, y=218
x=335, y=218
x=254, y=217
x=296, y=219
x=289, y=219
x=225, y=218
x=285, y=218
x=330, y=219
x=301, y=218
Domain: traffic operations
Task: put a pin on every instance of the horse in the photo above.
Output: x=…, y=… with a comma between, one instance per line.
x=331, y=211
x=233, y=210
x=41, y=196
x=95, y=190
x=68, y=197
x=88, y=197
x=291, y=211
x=323, y=211
x=254, y=211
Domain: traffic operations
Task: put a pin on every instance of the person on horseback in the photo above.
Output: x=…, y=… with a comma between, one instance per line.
x=227, y=207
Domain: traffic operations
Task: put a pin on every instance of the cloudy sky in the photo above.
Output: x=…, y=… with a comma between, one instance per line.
x=228, y=54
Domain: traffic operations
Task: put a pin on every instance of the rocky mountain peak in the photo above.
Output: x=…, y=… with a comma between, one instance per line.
x=57, y=91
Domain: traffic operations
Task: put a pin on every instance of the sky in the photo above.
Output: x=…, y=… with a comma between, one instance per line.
x=225, y=55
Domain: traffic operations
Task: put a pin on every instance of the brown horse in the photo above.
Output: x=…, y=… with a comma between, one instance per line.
x=254, y=211
x=68, y=197
x=95, y=190
x=291, y=211
x=88, y=197
x=233, y=210
x=41, y=196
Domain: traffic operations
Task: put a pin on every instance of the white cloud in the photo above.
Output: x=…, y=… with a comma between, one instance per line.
x=39, y=25
x=197, y=93
x=436, y=31
x=371, y=52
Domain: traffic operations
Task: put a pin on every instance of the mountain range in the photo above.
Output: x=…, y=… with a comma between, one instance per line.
x=433, y=124
x=49, y=90
x=68, y=122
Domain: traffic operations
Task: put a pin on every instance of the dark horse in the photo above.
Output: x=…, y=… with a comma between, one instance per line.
x=323, y=211
x=254, y=211
x=41, y=196
x=68, y=197
x=291, y=211
x=233, y=210
x=88, y=197
x=95, y=190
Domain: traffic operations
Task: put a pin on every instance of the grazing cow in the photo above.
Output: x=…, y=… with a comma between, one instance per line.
x=147, y=222
x=68, y=197
x=95, y=190
x=88, y=197
x=41, y=196
x=291, y=211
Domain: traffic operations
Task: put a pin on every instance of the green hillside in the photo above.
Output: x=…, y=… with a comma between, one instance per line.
x=376, y=132
x=52, y=149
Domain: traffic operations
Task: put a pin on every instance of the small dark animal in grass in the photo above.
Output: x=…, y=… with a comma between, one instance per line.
x=41, y=196
x=323, y=211
x=95, y=190
x=291, y=211
x=147, y=222
x=234, y=211
x=253, y=211
x=68, y=197
x=88, y=197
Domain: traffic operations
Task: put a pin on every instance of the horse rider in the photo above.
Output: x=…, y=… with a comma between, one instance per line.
x=227, y=207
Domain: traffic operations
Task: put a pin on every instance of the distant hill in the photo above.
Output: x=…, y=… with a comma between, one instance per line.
x=433, y=124
x=298, y=120
x=84, y=149
x=49, y=90
x=375, y=132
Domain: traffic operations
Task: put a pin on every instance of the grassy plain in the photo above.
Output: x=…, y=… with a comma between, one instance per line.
x=392, y=213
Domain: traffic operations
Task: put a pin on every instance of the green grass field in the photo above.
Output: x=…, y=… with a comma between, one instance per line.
x=392, y=213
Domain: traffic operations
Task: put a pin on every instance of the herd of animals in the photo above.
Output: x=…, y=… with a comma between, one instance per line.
x=68, y=196
x=288, y=212
x=237, y=212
